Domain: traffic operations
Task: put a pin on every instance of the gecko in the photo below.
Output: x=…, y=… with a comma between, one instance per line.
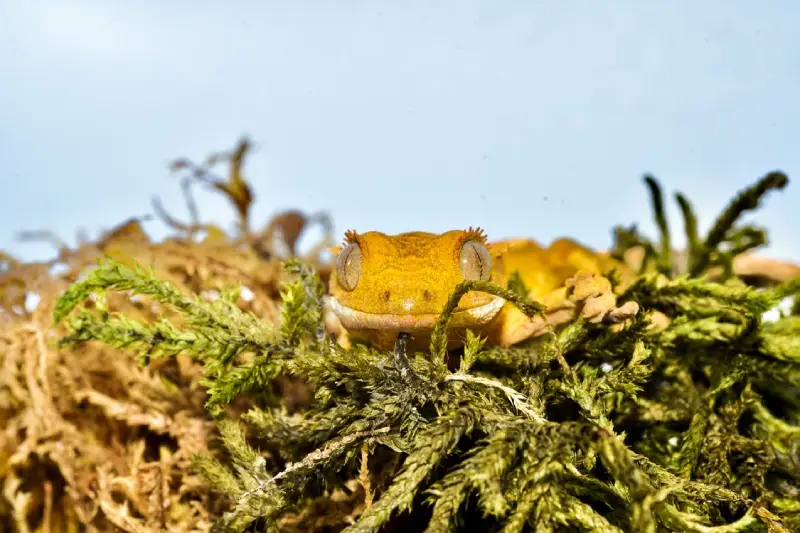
x=383, y=286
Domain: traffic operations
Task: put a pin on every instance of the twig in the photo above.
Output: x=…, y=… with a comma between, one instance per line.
x=47, y=520
x=191, y=205
x=517, y=399
x=318, y=455
x=43, y=235
x=364, y=475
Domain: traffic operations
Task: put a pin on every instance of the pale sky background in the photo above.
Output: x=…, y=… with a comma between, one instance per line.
x=529, y=118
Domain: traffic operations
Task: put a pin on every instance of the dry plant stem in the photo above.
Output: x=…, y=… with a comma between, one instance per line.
x=563, y=362
x=37, y=381
x=364, y=475
x=48, y=507
x=191, y=205
x=43, y=235
x=316, y=456
x=517, y=399
x=117, y=514
x=130, y=413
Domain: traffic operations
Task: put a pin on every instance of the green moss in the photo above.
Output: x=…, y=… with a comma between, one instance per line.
x=690, y=427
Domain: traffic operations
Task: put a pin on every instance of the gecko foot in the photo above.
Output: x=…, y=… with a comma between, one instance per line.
x=593, y=295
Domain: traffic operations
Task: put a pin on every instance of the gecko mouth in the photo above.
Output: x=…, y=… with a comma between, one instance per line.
x=353, y=319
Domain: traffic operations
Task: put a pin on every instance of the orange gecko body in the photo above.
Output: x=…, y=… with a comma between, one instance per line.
x=386, y=284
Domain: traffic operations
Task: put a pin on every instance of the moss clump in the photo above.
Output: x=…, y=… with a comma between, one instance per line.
x=685, y=419
x=89, y=438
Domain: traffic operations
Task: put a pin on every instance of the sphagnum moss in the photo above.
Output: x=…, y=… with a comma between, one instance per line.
x=690, y=424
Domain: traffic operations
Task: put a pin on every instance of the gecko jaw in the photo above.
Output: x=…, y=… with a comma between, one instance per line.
x=353, y=319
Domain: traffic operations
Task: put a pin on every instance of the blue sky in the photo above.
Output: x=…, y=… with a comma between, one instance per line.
x=526, y=118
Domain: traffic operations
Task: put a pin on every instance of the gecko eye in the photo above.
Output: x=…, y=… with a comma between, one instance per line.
x=348, y=266
x=475, y=261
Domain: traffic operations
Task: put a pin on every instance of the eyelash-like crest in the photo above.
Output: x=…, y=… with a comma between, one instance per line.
x=350, y=236
x=476, y=234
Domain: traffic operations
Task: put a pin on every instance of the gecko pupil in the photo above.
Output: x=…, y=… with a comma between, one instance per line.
x=475, y=261
x=348, y=266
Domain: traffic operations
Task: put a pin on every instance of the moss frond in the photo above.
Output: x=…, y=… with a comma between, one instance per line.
x=690, y=422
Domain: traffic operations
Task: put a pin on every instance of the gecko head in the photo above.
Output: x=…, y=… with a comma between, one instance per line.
x=402, y=282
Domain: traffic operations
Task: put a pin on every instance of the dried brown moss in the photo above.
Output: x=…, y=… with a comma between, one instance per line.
x=90, y=439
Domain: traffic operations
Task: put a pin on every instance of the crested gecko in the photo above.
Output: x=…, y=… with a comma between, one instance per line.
x=384, y=285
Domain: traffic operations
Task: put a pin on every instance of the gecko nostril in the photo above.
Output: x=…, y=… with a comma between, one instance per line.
x=427, y=296
x=386, y=295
